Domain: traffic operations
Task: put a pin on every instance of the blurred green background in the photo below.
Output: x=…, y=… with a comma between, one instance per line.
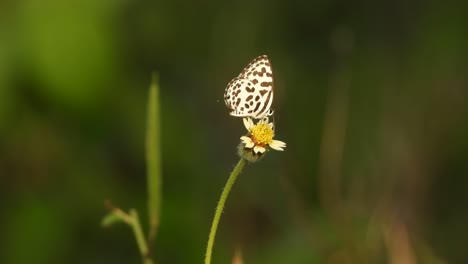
x=370, y=96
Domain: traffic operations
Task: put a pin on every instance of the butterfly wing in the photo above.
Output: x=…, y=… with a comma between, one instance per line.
x=245, y=99
x=251, y=93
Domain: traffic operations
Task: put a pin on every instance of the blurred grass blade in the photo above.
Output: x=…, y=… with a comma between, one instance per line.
x=111, y=219
x=153, y=157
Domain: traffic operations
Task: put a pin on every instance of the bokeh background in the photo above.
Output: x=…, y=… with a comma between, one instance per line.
x=370, y=96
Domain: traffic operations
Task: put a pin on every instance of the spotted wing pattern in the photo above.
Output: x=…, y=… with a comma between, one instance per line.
x=251, y=93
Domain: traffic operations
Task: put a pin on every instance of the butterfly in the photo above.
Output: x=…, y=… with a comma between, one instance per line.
x=251, y=93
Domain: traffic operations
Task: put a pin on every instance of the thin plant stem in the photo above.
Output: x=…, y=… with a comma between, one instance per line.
x=140, y=238
x=220, y=207
x=132, y=220
x=153, y=159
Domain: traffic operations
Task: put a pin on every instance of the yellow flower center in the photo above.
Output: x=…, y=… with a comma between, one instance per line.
x=262, y=134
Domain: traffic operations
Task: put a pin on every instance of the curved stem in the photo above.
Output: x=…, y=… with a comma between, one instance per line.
x=133, y=221
x=140, y=238
x=219, y=208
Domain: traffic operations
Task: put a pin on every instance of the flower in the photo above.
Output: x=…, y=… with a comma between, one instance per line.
x=260, y=136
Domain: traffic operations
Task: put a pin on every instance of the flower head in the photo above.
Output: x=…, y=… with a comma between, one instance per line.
x=260, y=138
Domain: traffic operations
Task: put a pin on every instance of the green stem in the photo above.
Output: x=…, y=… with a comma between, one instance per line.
x=140, y=238
x=153, y=159
x=219, y=208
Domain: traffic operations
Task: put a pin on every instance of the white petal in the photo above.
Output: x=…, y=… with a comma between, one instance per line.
x=246, y=123
x=279, y=142
x=249, y=144
x=251, y=123
x=247, y=141
x=258, y=149
x=277, y=145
